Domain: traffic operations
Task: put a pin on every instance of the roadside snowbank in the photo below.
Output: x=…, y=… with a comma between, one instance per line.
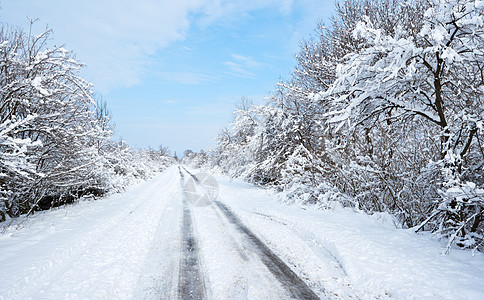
x=95, y=250
x=354, y=255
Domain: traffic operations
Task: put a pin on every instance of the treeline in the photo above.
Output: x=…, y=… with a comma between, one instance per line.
x=55, y=140
x=384, y=112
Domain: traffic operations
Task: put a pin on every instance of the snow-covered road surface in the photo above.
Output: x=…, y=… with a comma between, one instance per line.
x=191, y=284
x=134, y=246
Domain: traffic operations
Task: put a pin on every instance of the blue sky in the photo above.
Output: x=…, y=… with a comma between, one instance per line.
x=171, y=71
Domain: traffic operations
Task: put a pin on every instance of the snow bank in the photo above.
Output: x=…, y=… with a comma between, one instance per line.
x=95, y=250
x=354, y=255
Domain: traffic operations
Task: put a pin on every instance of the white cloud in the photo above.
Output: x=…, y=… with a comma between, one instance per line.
x=242, y=66
x=115, y=38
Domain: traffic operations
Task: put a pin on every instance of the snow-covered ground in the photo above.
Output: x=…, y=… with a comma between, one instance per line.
x=96, y=249
x=353, y=255
x=128, y=246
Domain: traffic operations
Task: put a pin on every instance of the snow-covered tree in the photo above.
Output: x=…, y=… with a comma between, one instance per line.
x=435, y=78
x=54, y=139
x=385, y=107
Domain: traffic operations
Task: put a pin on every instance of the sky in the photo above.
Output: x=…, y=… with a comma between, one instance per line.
x=171, y=71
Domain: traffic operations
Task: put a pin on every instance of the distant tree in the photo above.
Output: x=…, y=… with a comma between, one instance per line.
x=187, y=153
x=245, y=103
x=164, y=150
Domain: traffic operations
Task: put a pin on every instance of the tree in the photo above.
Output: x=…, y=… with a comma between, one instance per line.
x=48, y=109
x=434, y=77
x=384, y=108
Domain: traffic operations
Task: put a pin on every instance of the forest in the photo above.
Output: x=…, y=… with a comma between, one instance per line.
x=383, y=112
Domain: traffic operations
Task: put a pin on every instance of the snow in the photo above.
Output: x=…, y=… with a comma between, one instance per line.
x=380, y=260
x=127, y=246
x=233, y=270
x=37, y=84
x=96, y=249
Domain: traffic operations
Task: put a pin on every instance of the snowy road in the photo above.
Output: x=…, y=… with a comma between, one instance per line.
x=295, y=288
x=148, y=243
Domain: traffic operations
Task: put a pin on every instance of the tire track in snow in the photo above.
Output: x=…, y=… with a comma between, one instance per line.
x=337, y=283
x=296, y=287
x=307, y=237
x=190, y=282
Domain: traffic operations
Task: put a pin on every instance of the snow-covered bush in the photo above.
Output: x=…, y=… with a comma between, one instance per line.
x=16, y=171
x=301, y=178
x=195, y=160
